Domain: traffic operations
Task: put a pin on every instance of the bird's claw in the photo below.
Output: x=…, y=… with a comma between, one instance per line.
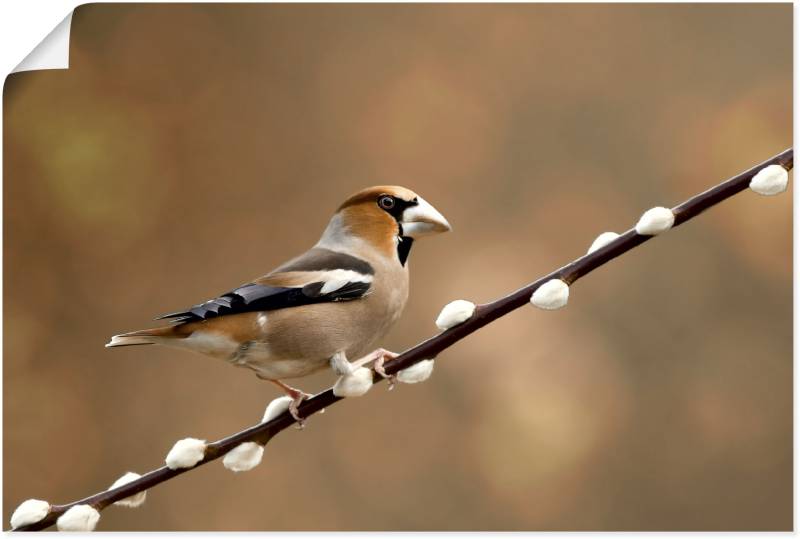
x=294, y=408
x=377, y=357
x=378, y=366
x=295, y=394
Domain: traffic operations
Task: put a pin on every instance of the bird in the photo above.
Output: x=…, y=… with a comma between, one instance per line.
x=329, y=304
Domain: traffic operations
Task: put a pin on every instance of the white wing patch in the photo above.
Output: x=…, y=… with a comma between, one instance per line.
x=336, y=279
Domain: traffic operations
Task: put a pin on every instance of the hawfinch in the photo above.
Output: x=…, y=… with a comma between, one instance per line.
x=331, y=303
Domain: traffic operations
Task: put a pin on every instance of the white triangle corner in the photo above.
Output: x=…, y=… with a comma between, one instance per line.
x=52, y=52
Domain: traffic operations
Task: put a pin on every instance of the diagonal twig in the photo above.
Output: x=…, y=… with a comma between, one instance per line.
x=483, y=315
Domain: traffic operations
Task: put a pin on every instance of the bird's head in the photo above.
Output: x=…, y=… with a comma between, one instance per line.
x=387, y=217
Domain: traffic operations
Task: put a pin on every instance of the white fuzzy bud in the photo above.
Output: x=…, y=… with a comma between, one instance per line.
x=131, y=501
x=355, y=384
x=275, y=408
x=186, y=453
x=243, y=457
x=418, y=372
x=655, y=221
x=770, y=180
x=78, y=518
x=455, y=313
x=29, y=512
x=552, y=295
x=602, y=240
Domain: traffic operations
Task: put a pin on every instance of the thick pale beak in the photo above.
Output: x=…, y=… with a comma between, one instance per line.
x=423, y=219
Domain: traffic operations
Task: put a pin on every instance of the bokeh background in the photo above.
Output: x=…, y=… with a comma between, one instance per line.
x=189, y=148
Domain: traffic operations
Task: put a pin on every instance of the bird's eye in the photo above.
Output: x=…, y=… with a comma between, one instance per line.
x=386, y=202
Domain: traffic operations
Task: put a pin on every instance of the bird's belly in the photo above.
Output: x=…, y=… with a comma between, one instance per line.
x=319, y=331
x=259, y=356
x=285, y=368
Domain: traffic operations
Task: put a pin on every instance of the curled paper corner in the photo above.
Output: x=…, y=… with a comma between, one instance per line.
x=52, y=52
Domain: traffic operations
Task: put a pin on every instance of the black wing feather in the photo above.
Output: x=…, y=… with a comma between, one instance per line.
x=257, y=297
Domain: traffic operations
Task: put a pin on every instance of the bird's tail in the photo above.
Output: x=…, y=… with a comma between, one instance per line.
x=144, y=336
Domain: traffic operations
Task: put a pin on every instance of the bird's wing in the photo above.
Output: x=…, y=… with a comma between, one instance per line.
x=318, y=276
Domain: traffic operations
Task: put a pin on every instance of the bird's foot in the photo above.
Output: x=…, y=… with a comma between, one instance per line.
x=378, y=366
x=379, y=357
x=294, y=407
x=297, y=396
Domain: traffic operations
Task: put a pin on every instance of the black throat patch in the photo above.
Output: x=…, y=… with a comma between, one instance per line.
x=404, y=247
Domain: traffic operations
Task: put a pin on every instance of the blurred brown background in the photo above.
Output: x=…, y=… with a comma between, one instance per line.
x=190, y=148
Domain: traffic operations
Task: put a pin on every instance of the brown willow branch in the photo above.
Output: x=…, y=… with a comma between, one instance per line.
x=484, y=314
